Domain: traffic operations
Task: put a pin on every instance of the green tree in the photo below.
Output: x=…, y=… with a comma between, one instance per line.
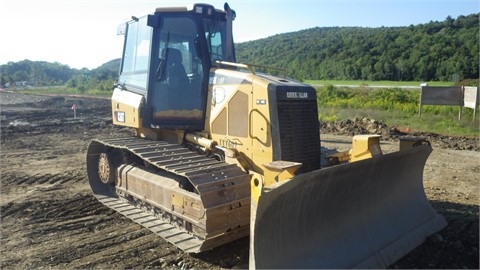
x=417, y=52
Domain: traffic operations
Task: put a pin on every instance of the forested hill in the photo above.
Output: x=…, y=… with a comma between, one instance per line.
x=42, y=73
x=424, y=52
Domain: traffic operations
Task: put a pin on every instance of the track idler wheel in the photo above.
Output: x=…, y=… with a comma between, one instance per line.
x=106, y=168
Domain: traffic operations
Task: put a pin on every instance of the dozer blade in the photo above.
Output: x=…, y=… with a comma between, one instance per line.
x=366, y=214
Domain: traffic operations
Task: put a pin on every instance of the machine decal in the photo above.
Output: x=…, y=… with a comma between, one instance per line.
x=218, y=95
x=120, y=116
x=229, y=143
x=297, y=95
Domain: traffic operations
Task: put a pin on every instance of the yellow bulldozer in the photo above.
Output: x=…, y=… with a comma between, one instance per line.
x=221, y=152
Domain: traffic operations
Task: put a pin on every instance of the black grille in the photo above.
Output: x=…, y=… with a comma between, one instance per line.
x=299, y=133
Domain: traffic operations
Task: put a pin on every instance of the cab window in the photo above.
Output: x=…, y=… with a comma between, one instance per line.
x=136, y=55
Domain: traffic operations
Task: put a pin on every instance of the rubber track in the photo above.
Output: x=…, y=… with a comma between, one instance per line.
x=206, y=174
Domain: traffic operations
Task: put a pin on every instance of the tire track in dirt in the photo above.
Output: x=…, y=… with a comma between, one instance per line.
x=10, y=179
x=72, y=220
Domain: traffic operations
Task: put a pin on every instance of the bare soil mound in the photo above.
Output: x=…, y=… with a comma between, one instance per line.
x=370, y=126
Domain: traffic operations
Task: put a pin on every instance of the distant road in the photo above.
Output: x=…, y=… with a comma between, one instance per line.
x=369, y=86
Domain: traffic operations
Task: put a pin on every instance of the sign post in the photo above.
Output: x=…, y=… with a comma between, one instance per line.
x=74, y=108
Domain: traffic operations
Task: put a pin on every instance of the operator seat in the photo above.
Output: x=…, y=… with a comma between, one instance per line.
x=176, y=75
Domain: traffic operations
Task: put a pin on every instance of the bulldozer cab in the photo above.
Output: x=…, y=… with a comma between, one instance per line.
x=167, y=58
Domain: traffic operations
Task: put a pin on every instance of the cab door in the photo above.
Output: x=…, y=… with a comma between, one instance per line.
x=177, y=97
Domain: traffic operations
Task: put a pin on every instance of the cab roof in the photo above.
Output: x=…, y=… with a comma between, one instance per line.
x=197, y=8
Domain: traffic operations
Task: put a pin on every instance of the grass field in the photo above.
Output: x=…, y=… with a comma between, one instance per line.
x=396, y=108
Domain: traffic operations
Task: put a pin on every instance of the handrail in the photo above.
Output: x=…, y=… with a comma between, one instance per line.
x=236, y=65
x=247, y=66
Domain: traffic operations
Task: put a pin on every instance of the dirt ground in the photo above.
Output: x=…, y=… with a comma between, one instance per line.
x=49, y=219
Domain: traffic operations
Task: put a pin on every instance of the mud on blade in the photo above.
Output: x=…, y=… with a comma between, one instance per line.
x=366, y=214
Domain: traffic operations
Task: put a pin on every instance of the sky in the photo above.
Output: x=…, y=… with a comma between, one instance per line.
x=82, y=33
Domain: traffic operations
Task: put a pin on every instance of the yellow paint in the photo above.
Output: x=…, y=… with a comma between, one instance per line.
x=365, y=146
x=279, y=171
x=126, y=108
x=256, y=185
